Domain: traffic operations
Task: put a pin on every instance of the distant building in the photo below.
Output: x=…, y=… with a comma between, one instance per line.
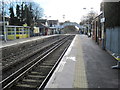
x=52, y=23
x=61, y=23
x=42, y=21
x=54, y=26
x=43, y=27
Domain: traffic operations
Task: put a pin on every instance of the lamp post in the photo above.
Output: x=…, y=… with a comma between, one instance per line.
x=63, y=17
x=3, y=16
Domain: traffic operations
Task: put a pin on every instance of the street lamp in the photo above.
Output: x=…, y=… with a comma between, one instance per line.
x=47, y=17
x=63, y=17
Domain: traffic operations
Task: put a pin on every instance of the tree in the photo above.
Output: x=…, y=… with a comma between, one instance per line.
x=11, y=13
x=28, y=15
x=88, y=18
x=12, y=16
x=22, y=13
x=37, y=10
x=26, y=12
x=86, y=21
x=18, y=15
x=18, y=11
x=1, y=6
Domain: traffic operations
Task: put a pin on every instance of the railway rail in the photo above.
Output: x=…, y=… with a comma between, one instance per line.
x=36, y=73
x=21, y=64
x=23, y=52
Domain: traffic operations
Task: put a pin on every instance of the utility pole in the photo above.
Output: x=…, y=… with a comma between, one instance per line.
x=3, y=16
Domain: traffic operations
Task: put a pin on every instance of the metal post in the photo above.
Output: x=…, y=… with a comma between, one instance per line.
x=28, y=32
x=23, y=32
x=15, y=33
x=4, y=27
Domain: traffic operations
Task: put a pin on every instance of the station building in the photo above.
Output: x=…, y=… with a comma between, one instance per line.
x=54, y=26
x=43, y=27
x=106, y=28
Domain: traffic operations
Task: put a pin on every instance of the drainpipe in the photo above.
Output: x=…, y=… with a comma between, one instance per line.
x=103, y=28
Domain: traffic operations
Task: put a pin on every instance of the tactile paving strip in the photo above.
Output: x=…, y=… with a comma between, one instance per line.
x=80, y=80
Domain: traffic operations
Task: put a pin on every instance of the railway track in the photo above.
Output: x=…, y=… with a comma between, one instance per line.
x=35, y=74
x=23, y=52
x=28, y=57
x=22, y=64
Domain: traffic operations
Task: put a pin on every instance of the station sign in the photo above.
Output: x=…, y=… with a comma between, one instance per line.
x=102, y=20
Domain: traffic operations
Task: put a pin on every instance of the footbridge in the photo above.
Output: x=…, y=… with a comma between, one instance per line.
x=71, y=24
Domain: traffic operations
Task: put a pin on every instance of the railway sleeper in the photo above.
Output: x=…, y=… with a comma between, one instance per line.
x=36, y=76
x=35, y=73
x=45, y=66
x=29, y=82
x=48, y=64
x=43, y=72
x=24, y=87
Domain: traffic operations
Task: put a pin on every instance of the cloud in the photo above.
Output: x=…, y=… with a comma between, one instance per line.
x=73, y=9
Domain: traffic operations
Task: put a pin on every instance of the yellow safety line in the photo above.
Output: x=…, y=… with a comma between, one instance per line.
x=80, y=80
x=116, y=58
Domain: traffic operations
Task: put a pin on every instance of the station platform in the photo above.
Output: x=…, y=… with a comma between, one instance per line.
x=85, y=65
x=23, y=40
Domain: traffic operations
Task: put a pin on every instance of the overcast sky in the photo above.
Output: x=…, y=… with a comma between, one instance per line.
x=72, y=9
